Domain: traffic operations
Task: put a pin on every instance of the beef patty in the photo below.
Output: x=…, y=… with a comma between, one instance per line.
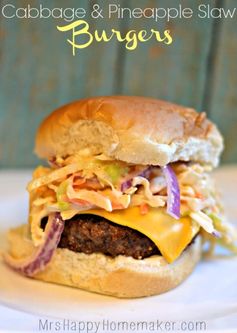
x=90, y=233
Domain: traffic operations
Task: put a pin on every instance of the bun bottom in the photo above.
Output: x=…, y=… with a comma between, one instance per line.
x=121, y=276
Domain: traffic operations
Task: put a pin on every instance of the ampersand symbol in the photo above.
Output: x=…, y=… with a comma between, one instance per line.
x=97, y=12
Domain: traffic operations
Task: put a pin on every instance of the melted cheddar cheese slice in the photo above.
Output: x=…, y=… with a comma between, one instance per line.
x=171, y=236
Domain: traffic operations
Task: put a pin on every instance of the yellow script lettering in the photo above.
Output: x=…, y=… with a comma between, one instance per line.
x=103, y=36
x=83, y=30
x=131, y=38
x=167, y=39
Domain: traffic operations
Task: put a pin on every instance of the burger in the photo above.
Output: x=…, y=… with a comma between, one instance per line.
x=126, y=200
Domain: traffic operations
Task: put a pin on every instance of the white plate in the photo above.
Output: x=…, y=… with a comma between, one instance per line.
x=210, y=294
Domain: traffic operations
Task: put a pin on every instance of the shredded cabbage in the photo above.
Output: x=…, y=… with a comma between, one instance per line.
x=52, y=176
x=227, y=231
x=146, y=195
x=61, y=196
x=157, y=184
x=82, y=182
x=115, y=172
x=204, y=221
x=91, y=197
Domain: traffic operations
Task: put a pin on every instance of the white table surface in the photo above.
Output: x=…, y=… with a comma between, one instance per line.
x=13, y=320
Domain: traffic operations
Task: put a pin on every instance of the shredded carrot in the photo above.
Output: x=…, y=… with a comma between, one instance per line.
x=117, y=206
x=79, y=202
x=199, y=195
x=144, y=208
x=92, y=183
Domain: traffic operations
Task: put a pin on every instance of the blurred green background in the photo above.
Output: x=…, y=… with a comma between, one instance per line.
x=38, y=72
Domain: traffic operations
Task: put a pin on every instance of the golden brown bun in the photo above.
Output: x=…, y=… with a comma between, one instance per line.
x=121, y=276
x=133, y=129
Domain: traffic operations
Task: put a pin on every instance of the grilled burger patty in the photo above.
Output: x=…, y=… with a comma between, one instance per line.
x=90, y=234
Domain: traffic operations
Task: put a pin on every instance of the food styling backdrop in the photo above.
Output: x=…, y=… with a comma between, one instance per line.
x=39, y=72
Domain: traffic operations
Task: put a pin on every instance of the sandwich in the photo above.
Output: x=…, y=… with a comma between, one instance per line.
x=126, y=199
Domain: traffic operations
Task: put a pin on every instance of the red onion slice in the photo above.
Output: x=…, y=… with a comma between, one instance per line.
x=43, y=254
x=125, y=185
x=173, y=192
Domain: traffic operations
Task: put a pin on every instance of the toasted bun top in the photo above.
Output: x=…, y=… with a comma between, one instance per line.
x=132, y=129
